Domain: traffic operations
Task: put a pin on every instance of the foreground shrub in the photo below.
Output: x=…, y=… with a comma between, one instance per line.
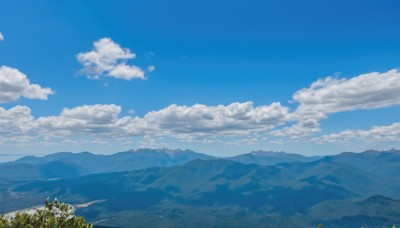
x=54, y=215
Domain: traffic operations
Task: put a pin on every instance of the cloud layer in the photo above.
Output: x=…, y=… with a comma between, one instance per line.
x=100, y=122
x=332, y=95
x=366, y=91
x=14, y=84
x=197, y=122
x=201, y=121
x=109, y=59
x=375, y=134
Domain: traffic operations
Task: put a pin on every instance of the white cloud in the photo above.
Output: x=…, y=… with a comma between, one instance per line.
x=15, y=121
x=86, y=119
x=151, y=68
x=332, y=95
x=92, y=121
x=242, y=121
x=14, y=84
x=197, y=122
x=109, y=59
x=123, y=71
x=93, y=113
x=201, y=121
x=1, y=36
x=366, y=91
x=375, y=134
x=300, y=129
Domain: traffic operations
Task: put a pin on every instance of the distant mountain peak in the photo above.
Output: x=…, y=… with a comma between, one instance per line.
x=393, y=150
x=271, y=157
x=85, y=153
x=88, y=163
x=372, y=152
x=168, y=151
x=267, y=152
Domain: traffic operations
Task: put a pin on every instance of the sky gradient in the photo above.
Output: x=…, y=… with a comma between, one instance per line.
x=219, y=77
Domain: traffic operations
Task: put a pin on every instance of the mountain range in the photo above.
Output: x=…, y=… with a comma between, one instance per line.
x=187, y=189
x=67, y=164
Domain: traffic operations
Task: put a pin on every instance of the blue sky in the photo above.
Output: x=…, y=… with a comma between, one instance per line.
x=219, y=54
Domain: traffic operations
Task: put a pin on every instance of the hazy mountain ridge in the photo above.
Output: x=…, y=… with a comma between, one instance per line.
x=84, y=163
x=233, y=193
x=306, y=192
x=87, y=163
x=271, y=158
x=371, y=161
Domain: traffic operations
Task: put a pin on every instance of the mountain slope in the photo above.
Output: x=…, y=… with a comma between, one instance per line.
x=231, y=189
x=271, y=158
x=87, y=163
x=345, y=190
x=385, y=164
x=213, y=183
x=26, y=171
x=78, y=164
x=374, y=211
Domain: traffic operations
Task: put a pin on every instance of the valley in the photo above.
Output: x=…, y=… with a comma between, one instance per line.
x=269, y=190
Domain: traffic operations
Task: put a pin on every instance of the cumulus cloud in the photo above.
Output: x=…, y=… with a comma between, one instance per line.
x=93, y=113
x=91, y=121
x=109, y=59
x=375, y=134
x=87, y=119
x=332, y=95
x=197, y=122
x=242, y=121
x=201, y=121
x=1, y=36
x=366, y=91
x=123, y=71
x=14, y=84
x=15, y=121
x=302, y=128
